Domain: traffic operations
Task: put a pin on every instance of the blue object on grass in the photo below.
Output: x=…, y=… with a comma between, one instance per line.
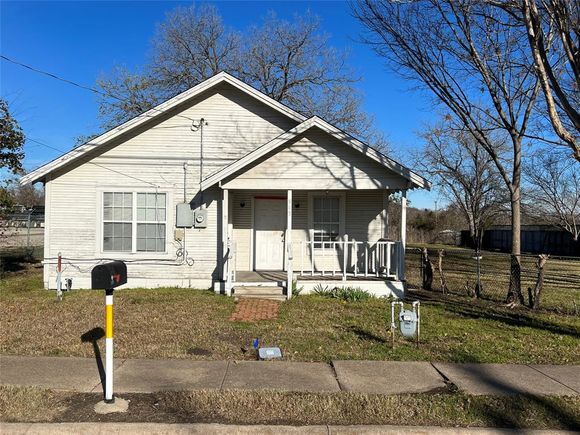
x=256, y=343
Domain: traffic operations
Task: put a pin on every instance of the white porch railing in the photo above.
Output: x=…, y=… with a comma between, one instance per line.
x=380, y=259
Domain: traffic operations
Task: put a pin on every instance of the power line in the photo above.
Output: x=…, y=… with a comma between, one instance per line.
x=81, y=86
x=93, y=163
x=90, y=89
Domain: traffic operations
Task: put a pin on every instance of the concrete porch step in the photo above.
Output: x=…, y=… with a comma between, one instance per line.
x=259, y=292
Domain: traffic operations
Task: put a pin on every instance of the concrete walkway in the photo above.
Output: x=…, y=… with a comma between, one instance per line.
x=380, y=377
x=222, y=429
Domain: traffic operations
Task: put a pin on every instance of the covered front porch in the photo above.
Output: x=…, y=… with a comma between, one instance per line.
x=311, y=207
x=304, y=239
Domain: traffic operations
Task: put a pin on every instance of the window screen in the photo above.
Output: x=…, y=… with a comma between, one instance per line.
x=326, y=220
x=123, y=210
x=151, y=222
x=117, y=221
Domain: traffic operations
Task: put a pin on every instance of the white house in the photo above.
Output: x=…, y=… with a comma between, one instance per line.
x=224, y=187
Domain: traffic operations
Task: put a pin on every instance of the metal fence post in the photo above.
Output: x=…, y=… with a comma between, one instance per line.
x=478, y=272
x=421, y=270
x=28, y=232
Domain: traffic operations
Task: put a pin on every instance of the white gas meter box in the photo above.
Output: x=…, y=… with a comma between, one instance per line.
x=409, y=321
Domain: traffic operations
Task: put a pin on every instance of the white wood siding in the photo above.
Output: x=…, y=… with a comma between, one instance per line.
x=316, y=159
x=154, y=156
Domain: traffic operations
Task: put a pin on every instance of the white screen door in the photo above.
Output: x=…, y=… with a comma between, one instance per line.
x=270, y=226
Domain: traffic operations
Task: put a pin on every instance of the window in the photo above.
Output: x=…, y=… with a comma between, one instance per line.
x=151, y=222
x=134, y=221
x=117, y=221
x=325, y=220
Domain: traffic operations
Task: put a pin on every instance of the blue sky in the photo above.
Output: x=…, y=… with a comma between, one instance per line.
x=82, y=40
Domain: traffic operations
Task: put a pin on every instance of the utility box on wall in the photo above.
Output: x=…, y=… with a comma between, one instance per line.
x=200, y=218
x=183, y=216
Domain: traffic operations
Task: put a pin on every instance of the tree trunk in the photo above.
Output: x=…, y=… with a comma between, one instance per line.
x=536, y=294
x=427, y=271
x=515, y=296
x=441, y=275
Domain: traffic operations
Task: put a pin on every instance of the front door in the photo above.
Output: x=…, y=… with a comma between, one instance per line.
x=270, y=226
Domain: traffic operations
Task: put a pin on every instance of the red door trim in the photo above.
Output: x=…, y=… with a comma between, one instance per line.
x=269, y=197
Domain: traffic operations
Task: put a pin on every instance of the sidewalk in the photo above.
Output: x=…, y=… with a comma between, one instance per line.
x=380, y=377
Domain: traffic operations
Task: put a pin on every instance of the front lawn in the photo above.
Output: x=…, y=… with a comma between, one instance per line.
x=185, y=323
x=18, y=404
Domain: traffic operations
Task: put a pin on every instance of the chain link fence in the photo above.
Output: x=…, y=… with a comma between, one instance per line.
x=20, y=245
x=561, y=289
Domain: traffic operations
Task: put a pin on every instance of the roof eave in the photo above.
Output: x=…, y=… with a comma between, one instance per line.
x=222, y=77
x=414, y=179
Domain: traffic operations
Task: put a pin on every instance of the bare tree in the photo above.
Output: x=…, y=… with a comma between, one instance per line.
x=465, y=173
x=473, y=59
x=191, y=45
x=290, y=61
x=127, y=95
x=553, y=190
x=27, y=196
x=553, y=35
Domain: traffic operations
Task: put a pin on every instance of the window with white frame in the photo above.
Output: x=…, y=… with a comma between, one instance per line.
x=134, y=221
x=325, y=220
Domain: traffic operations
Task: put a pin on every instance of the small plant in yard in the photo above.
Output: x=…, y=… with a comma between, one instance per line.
x=323, y=290
x=352, y=294
x=349, y=294
x=295, y=289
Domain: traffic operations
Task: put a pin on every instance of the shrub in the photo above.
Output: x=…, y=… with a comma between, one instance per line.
x=352, y=294
x=323, y=290
x=349, y=294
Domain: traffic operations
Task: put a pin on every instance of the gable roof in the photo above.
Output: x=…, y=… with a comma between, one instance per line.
x=154, y=113
x=414, y=179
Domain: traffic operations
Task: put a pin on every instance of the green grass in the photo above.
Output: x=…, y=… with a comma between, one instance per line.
x=167, y=323
x=272, y=407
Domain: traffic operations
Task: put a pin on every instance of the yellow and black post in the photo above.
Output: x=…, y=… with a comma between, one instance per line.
x=108, y=276
x=109, y=346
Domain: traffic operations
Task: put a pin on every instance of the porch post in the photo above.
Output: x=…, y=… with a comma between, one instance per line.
x=344, y=256
x=385, y=214
x=289, y=251
x=225, y=242
x=403, y=235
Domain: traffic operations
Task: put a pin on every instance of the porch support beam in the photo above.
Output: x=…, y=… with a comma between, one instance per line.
x=289, y=250
x=344, y=256
x=226, y=275
x=403, y=235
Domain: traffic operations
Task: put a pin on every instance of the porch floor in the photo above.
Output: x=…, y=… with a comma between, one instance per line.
x=279, y=276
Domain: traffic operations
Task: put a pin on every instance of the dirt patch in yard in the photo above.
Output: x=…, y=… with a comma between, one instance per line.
x=271, y=407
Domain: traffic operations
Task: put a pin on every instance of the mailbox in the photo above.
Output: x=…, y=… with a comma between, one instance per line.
x=109, y=275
